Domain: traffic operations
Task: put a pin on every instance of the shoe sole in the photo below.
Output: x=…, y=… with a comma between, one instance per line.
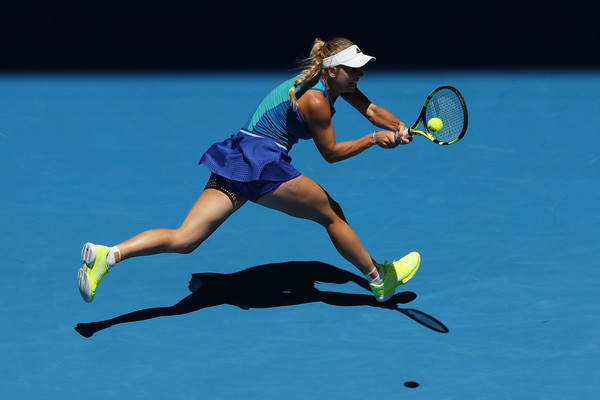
x=88, y=256
x=84, y=284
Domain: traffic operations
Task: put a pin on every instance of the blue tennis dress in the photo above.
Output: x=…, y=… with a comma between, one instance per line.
x=255, y=161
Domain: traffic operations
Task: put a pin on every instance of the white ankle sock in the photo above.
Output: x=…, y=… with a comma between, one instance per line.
x=112, y=258
x=379, y=278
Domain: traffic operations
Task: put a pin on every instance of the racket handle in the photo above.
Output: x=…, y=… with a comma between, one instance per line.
x=406, y=133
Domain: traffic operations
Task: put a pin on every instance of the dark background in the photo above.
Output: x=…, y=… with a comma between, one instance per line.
x=173, y=35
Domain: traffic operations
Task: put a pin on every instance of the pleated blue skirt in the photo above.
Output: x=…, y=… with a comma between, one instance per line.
x=252, y=165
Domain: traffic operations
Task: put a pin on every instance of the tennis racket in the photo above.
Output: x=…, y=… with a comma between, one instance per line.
x=447, y=104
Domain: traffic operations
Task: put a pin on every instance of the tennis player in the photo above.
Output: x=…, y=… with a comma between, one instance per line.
x=254, y=165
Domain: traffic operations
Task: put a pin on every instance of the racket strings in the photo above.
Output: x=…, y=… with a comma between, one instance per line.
x=447, y=106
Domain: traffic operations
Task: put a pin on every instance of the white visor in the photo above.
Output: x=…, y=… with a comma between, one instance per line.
x=351, y=57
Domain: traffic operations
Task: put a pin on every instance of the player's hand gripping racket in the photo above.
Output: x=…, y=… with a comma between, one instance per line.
x=444, y=117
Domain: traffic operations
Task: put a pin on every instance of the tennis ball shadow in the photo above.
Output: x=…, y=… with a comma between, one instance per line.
x=266, y=286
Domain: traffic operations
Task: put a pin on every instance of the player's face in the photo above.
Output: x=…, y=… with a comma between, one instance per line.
x=343, y=79
x=348, y=78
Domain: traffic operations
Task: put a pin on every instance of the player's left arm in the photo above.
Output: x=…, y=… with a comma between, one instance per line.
x=378, y=116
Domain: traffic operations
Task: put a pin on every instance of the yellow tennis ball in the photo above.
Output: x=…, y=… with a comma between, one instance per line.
x=435, y=125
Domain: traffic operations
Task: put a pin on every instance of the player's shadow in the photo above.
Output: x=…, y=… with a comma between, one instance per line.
x=270, y=285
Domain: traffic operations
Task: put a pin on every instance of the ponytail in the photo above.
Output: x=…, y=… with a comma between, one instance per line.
x=312, y=66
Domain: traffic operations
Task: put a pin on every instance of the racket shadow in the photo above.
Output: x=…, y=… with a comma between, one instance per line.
x=267, y=286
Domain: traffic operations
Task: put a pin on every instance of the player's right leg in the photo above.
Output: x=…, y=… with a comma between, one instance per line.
x=304, y=198
x=211, y=209
x=394, y=274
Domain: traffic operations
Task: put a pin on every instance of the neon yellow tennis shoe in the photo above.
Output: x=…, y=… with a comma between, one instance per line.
x=93, y=270
x=395, y=274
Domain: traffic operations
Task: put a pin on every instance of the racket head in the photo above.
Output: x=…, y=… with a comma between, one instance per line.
x=447, y=104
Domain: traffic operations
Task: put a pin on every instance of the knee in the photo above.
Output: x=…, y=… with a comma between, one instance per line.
x=332, y=215
x=337, y=209
x=184, y=243
x=187, y=248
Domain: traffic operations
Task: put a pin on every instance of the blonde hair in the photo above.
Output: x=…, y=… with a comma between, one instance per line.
x=312, y=65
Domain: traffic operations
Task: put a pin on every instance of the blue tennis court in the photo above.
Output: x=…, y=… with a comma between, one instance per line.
x=505, y=304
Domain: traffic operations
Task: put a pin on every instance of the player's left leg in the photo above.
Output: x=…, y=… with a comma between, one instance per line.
x=212, y=208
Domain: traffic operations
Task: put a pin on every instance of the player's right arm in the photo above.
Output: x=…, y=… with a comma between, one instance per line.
x=314, y=110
